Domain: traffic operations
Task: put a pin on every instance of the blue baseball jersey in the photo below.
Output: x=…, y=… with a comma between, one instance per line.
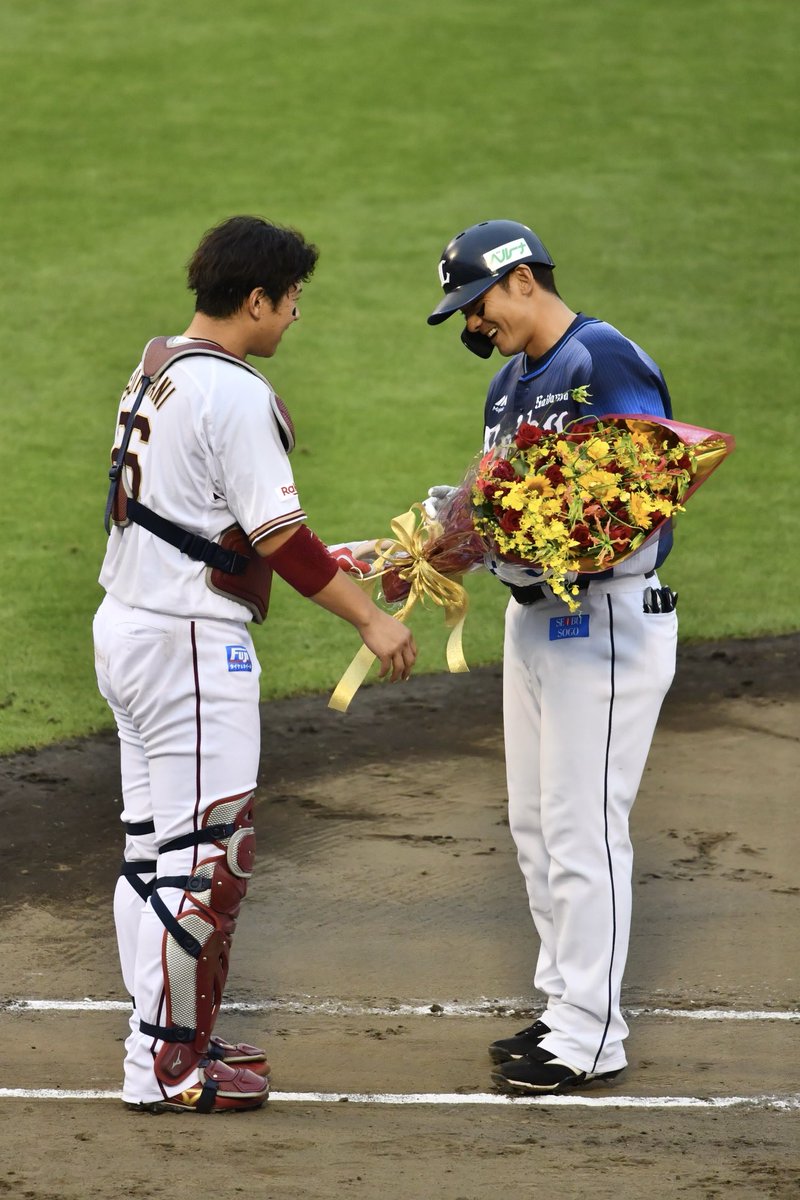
x=619, y=377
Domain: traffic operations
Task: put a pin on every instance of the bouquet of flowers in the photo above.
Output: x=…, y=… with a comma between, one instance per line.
x=578, y=501
x=585, y=499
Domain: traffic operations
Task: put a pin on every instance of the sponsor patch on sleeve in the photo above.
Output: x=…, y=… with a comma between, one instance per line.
x=239, y=658
x=576, y=625
x=286, y=492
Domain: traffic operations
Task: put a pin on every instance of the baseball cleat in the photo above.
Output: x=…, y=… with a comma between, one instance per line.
x=542, y=1072
x=522, y=1043
x=239, y=1054
x=220, y=1089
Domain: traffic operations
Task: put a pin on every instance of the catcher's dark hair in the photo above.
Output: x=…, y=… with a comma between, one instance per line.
x=244, y=253
x=542, y=274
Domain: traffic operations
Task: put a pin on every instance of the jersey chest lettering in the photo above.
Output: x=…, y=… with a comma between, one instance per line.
x=551, y=410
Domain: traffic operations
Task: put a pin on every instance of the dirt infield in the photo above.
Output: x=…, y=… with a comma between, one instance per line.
x=385, y=941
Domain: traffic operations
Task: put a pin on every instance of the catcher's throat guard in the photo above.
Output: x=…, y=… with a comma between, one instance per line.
x=197, y=941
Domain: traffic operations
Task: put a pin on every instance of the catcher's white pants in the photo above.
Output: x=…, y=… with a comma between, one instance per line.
x=579, y=716
x=187, y=715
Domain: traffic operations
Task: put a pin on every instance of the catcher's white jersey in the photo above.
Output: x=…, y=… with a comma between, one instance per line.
x=205, y=453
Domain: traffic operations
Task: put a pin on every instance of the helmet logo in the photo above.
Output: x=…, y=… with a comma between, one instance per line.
x=444, y=276
x=509, y=252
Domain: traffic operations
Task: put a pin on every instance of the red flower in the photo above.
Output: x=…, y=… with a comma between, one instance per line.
x=582, y=534
x=528, y=435
x=510, y=520
x=618, y=508
x=502, y=469
x=620, y=535
x=553, y=474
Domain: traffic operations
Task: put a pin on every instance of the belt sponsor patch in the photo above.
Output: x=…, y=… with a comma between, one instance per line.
x=239, y=658
x=569, y=627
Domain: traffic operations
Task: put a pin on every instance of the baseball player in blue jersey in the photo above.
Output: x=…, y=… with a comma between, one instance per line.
x=201, y=511
x=579, y=712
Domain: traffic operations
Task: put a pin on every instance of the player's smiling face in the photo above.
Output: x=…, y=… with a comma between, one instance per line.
x=503, y=314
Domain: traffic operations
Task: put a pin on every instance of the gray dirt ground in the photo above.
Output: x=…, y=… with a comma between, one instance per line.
x=386, y=876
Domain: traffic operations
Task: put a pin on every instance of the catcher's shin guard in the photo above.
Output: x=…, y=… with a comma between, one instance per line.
x=197, y=941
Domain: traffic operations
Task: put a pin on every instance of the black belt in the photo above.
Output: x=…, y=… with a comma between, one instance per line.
x=535, y=592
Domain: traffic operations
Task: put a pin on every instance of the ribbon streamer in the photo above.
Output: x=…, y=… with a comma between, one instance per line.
x=407, y=556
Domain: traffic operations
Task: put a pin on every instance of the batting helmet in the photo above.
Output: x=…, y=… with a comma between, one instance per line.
x=478, y=257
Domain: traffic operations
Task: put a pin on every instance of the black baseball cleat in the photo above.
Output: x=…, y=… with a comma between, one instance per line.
x=522, y=1043
x=541, y=1073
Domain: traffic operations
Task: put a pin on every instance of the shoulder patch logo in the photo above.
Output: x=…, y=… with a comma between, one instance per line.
x=239, y=658
x=500, y=404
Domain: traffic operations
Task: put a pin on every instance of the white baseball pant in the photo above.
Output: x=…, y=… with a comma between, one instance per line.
x=185, y=697
x=580, y=702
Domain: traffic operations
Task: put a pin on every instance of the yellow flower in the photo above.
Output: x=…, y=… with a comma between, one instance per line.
x=540, y=484
x=514, y=499
x=597, y=449
x=602, y=485
x=641, y=507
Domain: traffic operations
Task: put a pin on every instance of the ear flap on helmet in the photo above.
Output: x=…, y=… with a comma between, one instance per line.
x=478, y=343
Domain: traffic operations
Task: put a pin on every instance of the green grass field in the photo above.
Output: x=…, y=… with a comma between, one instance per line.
x=652, y=147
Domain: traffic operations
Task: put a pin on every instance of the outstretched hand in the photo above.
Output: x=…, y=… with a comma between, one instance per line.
x=348, y=562
x=391, y=643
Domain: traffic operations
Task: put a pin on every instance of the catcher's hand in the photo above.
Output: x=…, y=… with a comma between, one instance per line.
x=345, y=555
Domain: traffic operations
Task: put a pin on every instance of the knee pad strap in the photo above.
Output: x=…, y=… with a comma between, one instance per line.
x=132, y=870
x=136, y=828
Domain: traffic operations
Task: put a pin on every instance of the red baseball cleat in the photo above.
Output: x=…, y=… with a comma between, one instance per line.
x=239, y=1054
x=221, y=1088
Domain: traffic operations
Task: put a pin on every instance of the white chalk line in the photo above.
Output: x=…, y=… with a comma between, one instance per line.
x=779, y=1103
x=309, y=1006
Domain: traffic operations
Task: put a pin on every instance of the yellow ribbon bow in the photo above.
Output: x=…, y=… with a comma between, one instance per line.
x=413, y=534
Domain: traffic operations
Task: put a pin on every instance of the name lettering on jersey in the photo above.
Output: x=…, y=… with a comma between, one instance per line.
x=132, y=385
x=161, y=391
x=286, y=492
x=509, y=252
x=239, y=658
x=551, y=398
x=573, y=626
x=553, y=423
